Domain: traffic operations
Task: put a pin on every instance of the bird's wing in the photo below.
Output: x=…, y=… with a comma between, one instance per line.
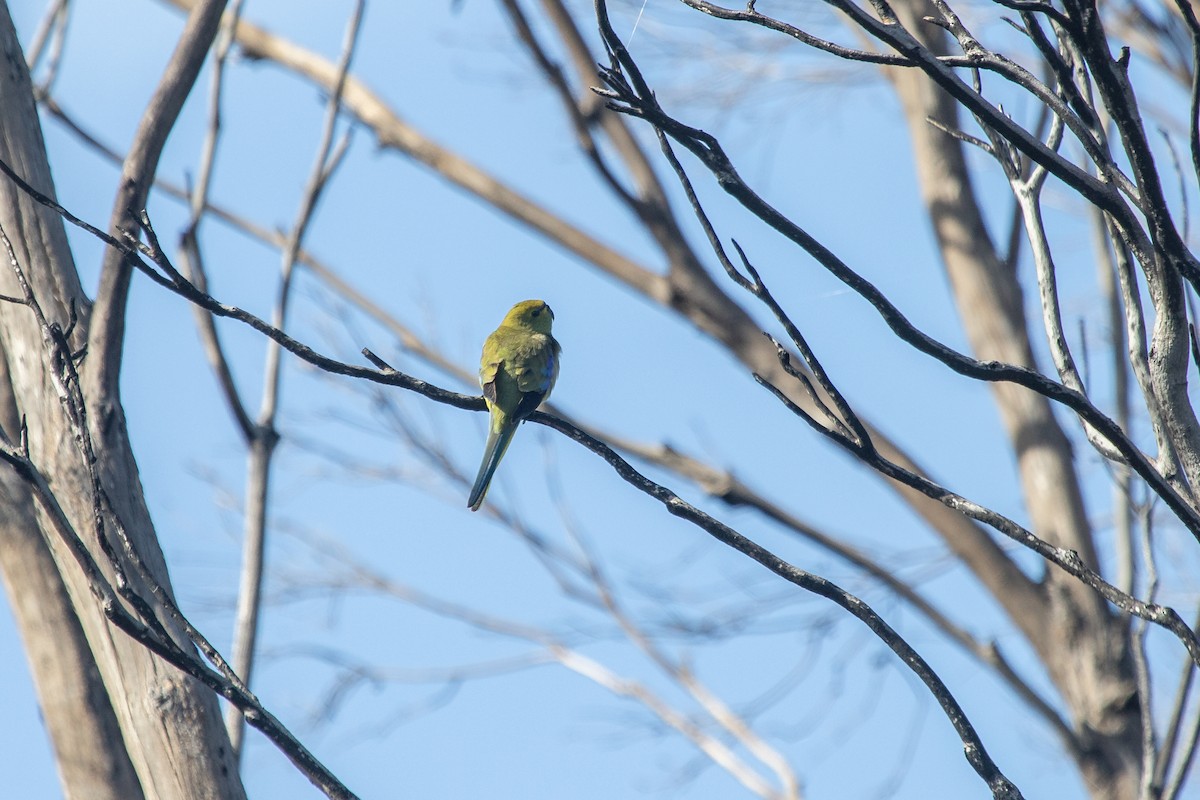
x=537, y=371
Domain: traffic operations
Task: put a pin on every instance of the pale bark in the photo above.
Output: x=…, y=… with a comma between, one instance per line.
x=1083, y=646
x=70, y=690
x=170, y=728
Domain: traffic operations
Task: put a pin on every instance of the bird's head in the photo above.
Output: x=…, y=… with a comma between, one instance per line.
x=532, y=314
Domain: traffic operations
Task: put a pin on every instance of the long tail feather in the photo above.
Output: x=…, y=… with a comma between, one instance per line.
x=497, y=444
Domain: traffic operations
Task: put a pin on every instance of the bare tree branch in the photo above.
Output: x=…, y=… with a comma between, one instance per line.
x=137, y=173
x=190, y=254
x=171, y=279
x=638, y=100
x=265, y=435
x=150, y=630
x=687, y=290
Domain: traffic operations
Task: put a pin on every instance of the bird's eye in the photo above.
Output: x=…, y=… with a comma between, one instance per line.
x=537, y=312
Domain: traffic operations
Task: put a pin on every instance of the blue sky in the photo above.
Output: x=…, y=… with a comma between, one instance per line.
x=852, y=722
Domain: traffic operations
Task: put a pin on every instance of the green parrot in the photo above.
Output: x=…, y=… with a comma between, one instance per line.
x=517, y=372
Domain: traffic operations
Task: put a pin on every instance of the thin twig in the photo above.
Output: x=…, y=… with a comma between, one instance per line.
x=198, y=203
x=51, y=30
x=685, y=678
x=151, y=630
x=1141, y=666
x=973, y=747
x=1175, y=724
x=137, y=173
x=632, y=95
x=265, y=435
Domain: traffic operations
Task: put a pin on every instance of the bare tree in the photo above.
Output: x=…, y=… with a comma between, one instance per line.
x=1091, y=610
